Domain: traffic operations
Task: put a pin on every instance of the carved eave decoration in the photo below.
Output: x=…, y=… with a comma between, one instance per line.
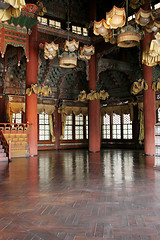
x=156, y=85
x=136, y=4
x=116, y=17
x=28, y=17
x=19, y=29
x=43, y=90
x=13, y=9
x=149, y=60
x=151, y=57
x=15, y=36
x=154, y=49
x=138, y=86
x=93, y=95
x=41, y=9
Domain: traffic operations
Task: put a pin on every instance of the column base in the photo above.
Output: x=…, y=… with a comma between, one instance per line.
x=93, y=151
x=151, y=155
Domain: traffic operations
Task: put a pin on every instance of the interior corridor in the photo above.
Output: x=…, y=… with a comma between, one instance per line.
x=74, y=195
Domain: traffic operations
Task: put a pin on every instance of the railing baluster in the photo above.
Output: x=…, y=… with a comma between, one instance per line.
x=17, y=127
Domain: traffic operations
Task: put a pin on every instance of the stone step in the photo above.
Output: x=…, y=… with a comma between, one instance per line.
x=18, y=143
x=1, y=150
x=3, y=159
x=19, y=150
x=2, y=154
x=19, y=154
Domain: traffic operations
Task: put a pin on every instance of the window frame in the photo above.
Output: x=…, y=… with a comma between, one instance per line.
x=41, y=129
x=79, y=127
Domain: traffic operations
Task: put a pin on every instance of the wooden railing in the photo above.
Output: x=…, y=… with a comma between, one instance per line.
x=25, y=127
x=6, y=146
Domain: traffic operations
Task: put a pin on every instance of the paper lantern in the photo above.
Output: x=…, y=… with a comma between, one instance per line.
x=101, y=28
x=71, y=45
x=116, y=17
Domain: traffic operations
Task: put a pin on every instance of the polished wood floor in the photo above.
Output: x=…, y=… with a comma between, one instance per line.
x=74, y=195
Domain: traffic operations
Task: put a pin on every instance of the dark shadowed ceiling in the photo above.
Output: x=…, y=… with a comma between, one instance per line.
x=117, y=67
x=82, y=10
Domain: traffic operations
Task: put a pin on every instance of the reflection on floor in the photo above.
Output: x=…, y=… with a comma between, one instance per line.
x=74, y=195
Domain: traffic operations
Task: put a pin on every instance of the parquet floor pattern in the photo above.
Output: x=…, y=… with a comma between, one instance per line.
x=74, y=195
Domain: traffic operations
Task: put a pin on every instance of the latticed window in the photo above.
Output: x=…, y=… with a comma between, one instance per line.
x=55, y=24
x=158, y=114
x=106, y=127
x=116, y=127
x=68, y=128
x=86, y=127
x=44, y=131
x=79, y=127
x=85, y=32
x=127, y=126
x=42, y=20
x=17, y=117
x=76, y=29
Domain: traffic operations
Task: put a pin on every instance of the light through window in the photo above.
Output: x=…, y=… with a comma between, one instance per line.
x=42, y=20
x=86, y=127
x=55, y=24
x=79, y=126
x=116, y=127
x=68, y=128
x=76, y=29
x=158, y=114
x=127, y=126
x=17, y=117
x=44, y=131
x=106, y=128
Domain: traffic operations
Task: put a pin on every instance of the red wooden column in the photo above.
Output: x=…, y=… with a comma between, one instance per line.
x=2, y=109
x=94, y=111
x=31, y=101
x=57, y=128
x=149, y=104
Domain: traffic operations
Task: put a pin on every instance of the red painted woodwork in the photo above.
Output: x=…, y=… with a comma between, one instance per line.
x=57, y=129
x=2, y=109
x=94, y=111
x=149, y=106
x=31, y=101
x=13, y=35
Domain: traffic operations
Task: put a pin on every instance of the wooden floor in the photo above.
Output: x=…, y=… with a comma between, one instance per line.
x=73, y=195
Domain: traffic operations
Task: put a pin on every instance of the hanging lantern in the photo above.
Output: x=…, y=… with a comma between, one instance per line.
x=116, y=17
x=144, y=17
x=154, y=26
x=86, y=52
x=71, y=45
x=128, y=36
x=68, y=60
x=50, y=50
x=101, y=28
